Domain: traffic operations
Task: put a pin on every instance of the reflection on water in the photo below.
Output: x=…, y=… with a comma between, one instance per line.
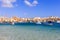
x=13, y=32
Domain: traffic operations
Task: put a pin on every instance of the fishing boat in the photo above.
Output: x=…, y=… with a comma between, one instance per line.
x=38, y=23
x=5, y=23
x=50, y=23
x=47, y=23
x=24, y=23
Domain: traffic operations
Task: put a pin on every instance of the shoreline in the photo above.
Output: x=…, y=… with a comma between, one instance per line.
x=36, y=21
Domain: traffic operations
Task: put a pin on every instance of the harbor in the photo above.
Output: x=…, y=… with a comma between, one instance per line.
x=30, y=21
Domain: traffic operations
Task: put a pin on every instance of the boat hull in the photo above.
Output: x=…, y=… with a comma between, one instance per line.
x=51, y=24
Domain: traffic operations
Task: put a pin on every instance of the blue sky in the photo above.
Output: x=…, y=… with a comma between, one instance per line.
x=30, y=8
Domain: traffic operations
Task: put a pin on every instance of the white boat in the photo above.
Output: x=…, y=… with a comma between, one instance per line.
x=58, y=21
x=13, y=23
x=38, y=23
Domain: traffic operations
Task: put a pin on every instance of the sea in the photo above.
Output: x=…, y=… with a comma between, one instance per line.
x=29, y=32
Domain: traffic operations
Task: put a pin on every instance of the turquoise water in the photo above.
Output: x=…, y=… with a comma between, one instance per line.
x=29, y=32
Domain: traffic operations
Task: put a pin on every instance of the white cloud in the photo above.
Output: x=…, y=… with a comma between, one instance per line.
x=7, y=3
x=28, y=3
x=34, y=3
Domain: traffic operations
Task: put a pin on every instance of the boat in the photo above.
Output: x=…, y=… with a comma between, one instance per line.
x=38, y=22
x=47, y=23
x=24, y=23
x=5, y=23
x=50, y=23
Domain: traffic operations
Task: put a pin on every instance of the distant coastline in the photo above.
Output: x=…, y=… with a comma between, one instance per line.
x=35, y=20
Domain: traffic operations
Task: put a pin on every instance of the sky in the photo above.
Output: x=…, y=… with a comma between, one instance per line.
x=30, y=8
